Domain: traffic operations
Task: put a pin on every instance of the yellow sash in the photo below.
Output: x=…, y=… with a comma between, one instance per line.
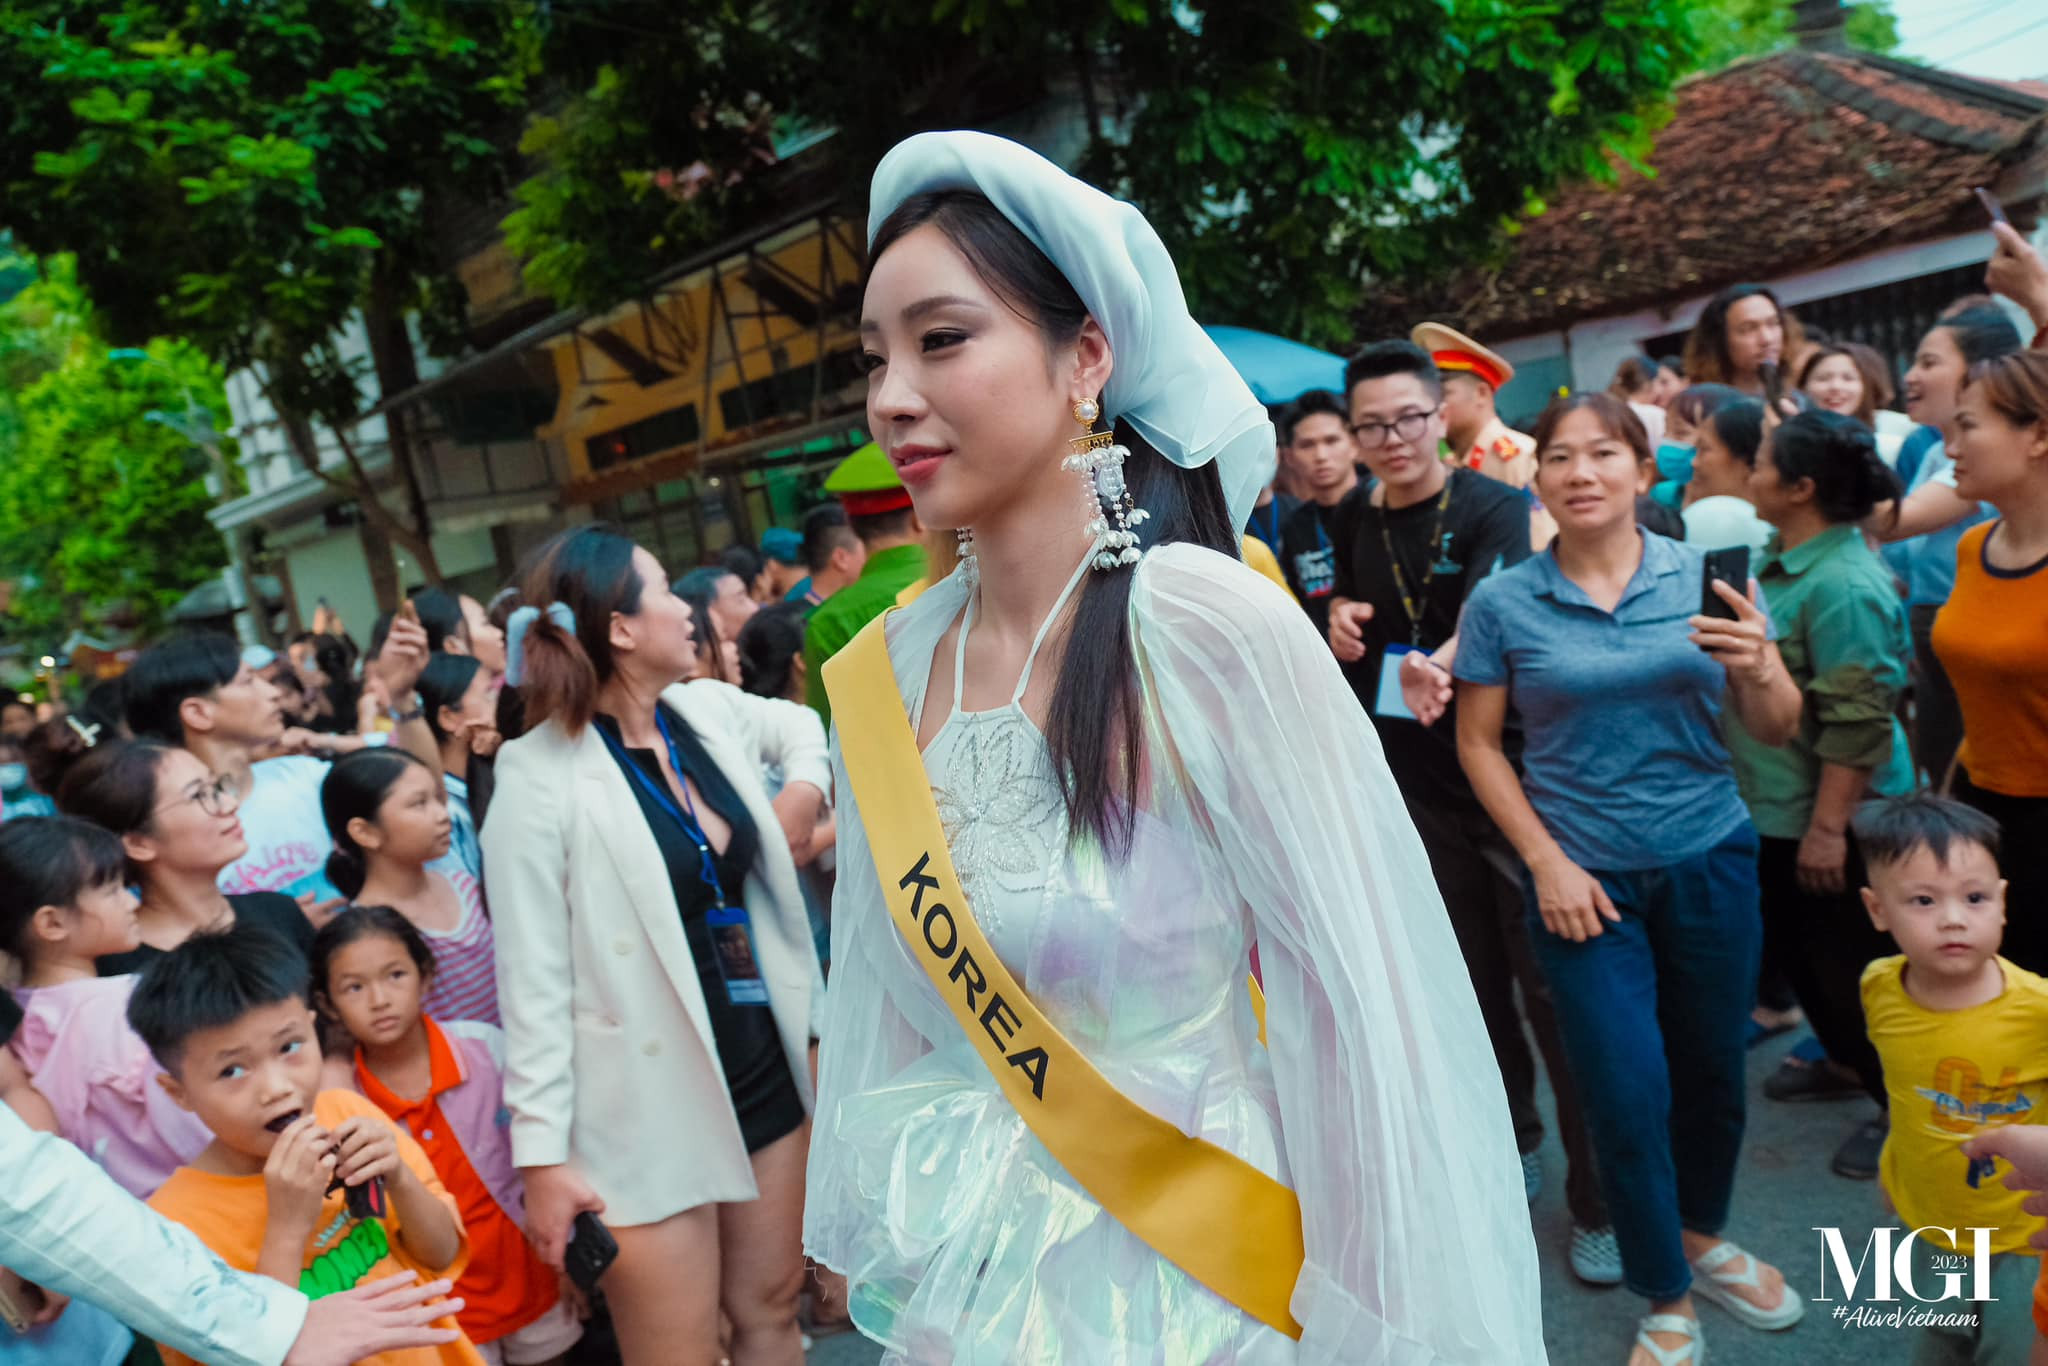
x=1209, y=1212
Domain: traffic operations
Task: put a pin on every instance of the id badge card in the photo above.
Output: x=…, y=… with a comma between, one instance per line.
x=1389, y=701
x=732, y=941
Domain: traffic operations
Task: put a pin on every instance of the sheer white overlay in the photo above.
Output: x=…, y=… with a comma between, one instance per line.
x=1270, y=818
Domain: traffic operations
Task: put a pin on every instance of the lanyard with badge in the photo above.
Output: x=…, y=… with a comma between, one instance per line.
x=1390, y=702
x=732, y=932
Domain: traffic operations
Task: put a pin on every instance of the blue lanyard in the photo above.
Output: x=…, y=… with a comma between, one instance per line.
x=707, y=869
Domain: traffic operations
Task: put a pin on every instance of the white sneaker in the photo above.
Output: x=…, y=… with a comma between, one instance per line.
x=1596, y=1256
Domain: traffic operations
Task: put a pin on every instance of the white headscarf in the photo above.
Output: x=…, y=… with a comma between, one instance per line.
x=1170, y=381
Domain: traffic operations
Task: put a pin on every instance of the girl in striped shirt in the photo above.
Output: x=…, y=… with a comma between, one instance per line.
x=389, y=818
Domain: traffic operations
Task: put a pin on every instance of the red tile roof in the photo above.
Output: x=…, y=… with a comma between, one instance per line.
x=1781, y=164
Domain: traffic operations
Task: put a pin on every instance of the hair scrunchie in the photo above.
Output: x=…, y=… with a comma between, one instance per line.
x=516, y=628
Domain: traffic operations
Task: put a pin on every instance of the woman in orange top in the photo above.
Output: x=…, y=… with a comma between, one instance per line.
x=1992, y=636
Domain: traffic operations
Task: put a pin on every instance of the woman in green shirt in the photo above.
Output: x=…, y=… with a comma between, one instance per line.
x=1842, y=631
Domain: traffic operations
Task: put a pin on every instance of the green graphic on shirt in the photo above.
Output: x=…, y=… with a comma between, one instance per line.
x=345, y=1264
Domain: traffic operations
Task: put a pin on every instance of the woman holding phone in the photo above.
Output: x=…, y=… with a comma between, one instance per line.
x=655, y=967
x=1641, y=856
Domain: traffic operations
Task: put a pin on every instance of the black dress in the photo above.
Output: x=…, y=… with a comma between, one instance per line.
x=272, y=911
x=757, y=1076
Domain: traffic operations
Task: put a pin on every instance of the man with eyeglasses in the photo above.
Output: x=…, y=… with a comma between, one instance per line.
x=1419, y=544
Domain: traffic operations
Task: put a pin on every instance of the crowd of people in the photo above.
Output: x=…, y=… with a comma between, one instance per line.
x=556, y=949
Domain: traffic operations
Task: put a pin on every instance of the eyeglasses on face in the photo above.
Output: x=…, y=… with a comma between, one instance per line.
x=1406, y=427
x=216, y=797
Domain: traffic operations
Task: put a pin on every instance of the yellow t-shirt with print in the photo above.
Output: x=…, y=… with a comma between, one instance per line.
x=1951, y=1074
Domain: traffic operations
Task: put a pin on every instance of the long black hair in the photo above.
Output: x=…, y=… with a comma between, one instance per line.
x=442, y=684
x=588, y=568
x=112, y=784
x=51, y=861
x=1740, y=425
x=1981, y=332
x=769, y=644
x=1706, y=346
x=1095, y=726
x=356, y=786
x=1839, y=455
x=699, y=588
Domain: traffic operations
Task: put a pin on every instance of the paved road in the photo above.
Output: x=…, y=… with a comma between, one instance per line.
x=1785, y=1190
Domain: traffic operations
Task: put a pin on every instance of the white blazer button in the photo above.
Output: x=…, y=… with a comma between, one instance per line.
x=622, y=947
x=651, y=1047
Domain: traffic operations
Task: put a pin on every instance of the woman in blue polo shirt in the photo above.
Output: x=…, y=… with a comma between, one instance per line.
x=1642, y=883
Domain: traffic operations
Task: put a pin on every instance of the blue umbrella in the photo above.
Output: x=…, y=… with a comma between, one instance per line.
x=1278, y=370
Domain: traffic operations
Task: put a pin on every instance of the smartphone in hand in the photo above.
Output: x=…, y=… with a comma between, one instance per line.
x=1730, y=566
x=590, y=1253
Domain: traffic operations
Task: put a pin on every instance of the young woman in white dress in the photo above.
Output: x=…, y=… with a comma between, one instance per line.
x=1146, y=766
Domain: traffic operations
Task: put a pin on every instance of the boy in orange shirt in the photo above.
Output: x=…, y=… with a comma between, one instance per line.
x=225, y=1015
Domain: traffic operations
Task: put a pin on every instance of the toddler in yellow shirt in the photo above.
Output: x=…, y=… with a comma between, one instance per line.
x=1961, y=1034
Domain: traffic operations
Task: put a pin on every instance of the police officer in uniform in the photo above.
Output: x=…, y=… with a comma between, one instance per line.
x=1474, y=436
x=878, y=509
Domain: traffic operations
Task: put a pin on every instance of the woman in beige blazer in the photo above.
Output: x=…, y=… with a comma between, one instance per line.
x=642, y=1086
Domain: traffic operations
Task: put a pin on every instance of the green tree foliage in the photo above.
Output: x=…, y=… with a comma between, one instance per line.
x=1291, y=151
x=1732, y=29
x=259, y=177
x=102, y=500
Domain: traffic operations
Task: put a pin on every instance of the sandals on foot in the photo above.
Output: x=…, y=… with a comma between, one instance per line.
x=1719, y=1285
x=1692, y=1353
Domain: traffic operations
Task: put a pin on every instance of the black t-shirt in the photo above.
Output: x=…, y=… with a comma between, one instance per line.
x=1484, y=526
x=1309, y=537
x=273, y=911
x=757, y=1076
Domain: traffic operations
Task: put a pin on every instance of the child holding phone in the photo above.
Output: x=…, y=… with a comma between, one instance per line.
x=443, y=1083
x=278, y=1191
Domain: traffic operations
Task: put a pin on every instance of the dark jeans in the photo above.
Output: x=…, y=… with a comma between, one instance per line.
x=1480, y=877
x=1822, y=944
x=2023, y=858
x=1937, y=716
x=1654, y=1013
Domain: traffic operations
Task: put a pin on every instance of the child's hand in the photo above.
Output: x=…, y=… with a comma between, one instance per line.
x=297, y=1173
x=365, y=1148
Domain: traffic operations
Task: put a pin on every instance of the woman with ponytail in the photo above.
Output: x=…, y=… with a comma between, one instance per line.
x=388, y=815
x=1127, y=760
x=655, y=966
x=1843, y=635
x=460, y=698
